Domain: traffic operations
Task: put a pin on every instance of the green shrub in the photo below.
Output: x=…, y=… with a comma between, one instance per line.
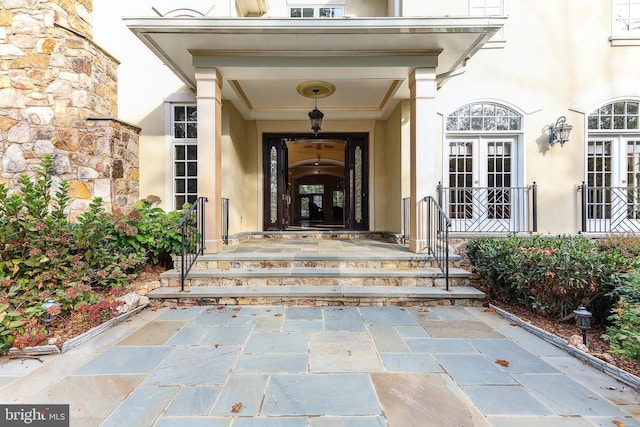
x=551, y=274
x=624, y=332
x=44, y=255
x=146, y=228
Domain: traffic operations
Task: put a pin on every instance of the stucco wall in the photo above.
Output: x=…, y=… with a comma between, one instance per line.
x=542, y=73
x=387, y=174
x=239, y=170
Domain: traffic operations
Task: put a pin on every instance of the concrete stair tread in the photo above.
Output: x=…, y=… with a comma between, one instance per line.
x=338, y=256
x=454, y=292
x=318, y=272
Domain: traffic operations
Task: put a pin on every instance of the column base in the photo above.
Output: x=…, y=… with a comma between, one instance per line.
x=417, y=245
x=213, y=246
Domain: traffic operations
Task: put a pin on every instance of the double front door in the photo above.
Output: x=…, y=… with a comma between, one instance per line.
x=314, y=181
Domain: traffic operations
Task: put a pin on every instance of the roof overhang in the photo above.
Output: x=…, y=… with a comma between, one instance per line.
x=377, y=54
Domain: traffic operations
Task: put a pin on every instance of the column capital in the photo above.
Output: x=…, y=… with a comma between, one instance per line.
x=422, y=83
x=208, y=73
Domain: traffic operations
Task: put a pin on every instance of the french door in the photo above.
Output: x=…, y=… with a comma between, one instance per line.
x=482, y=172
x=613, y=184
x=277, y=188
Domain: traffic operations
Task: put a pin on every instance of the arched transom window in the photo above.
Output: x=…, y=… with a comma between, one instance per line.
x=619, y=115
x=484, y=116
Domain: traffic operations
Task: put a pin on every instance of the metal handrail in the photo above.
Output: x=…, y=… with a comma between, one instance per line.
x=192, y=237
x=610, y=209
x=225, y=220
x=406, y=219
x=437, y=233
x=491, y=209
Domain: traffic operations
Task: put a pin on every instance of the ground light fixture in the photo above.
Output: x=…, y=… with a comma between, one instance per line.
x=583, y=322
x=47, y=317
x=559, y=131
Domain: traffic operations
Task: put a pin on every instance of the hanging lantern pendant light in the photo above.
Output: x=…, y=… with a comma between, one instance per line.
x=316, y=116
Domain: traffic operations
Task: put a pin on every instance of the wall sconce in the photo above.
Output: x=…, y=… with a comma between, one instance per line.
x=583, y=322
x=315, y=116
x=48, y=316
x=559, y=131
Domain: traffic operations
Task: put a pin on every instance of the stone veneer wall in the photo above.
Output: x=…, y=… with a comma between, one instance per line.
x=58, y=97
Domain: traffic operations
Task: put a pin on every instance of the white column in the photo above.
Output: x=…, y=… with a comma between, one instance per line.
x=209, y=84
x=424, y=149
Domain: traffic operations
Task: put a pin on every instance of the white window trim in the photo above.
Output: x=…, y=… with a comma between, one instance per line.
x=499, y=40
x=169, y=102
x=622, y=38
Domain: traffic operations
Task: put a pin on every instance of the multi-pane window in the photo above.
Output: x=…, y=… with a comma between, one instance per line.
x=316, y=12
x=625, y=15
x=185, y=154
x=460, y=178
x=484, y=116
x=620, y=115
x=488, y=8
x=633, y=179
x=599, y=178
x=499, y=179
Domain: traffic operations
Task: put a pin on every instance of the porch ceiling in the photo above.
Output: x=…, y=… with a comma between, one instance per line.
x=263, y=60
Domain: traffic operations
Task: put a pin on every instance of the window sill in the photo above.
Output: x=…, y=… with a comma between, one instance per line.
x=625, y=41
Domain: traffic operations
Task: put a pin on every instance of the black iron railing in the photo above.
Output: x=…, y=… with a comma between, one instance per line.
x=192, y=231
x=490, y=209
x=433, y=220
x=406, y=219
x=610, y=209
x=225, y=221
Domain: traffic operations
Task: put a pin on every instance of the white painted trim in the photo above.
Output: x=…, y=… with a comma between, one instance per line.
x=169, y=201
x=525, y=107
x=181, y=98
x=624, y=89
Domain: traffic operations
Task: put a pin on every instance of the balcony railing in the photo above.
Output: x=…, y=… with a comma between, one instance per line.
x=490, y=209
x=610, y=209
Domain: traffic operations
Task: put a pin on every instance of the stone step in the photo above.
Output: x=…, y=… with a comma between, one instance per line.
x=310, y=260
x=393, y=277
x=317, y=295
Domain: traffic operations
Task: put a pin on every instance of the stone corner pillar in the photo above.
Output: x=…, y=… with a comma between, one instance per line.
x=424, y=150
x=209, y=102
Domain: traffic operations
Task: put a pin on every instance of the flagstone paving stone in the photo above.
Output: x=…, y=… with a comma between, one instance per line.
x=154, y=333
x=193, y=401
x=459, y=329
x=310, y=394
x=320, y=367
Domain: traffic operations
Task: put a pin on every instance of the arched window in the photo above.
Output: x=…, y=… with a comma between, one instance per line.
x=484, y=165
x=613, y=168
x=484, y=116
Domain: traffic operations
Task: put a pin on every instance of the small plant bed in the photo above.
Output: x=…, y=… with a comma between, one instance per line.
x=78, y=265
x=543, y=279
x=75, y=323
x=598, y=347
